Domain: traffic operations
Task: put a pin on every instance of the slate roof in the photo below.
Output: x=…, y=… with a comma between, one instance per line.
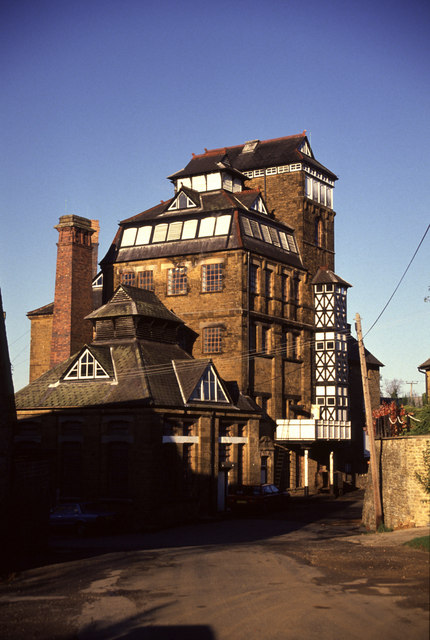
x=326, y=276
x=354, y=355
x=267, y=153
x=46, y=310
x=211, y=203
x=134, y=301
x=141, y=371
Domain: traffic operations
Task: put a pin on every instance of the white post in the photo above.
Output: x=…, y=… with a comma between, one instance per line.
x=306, y=471
x=331, y=472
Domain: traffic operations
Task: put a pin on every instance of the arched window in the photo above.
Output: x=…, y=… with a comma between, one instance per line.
x=318, y=233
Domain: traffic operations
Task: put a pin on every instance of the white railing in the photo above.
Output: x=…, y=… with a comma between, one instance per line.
x=313, y=429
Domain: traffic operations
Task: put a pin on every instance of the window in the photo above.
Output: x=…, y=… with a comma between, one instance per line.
x=189, y=229
x=182, y=202
x=265, y=340
x=212, y=340
x=252, y=338
x=269, y=283
x=256, y=230
x=285, y=288
x=71, y=469
x=128, y=237
x=128, y=277
x=295, y=346
x=118, y=469
x=209, y=388
x=318, y=233
x=175, y=229
x=222, y=225
x=160, y=231
x=143, y=235
x=253, y=279
x=211, y=277
x=177, y=281
x=207, y=226
x=145, y=280
x=86, y=367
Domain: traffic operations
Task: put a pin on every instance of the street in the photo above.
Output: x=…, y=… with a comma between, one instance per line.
x=306, y=572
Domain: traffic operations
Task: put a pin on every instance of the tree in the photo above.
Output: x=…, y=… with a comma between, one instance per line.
x=393, y=387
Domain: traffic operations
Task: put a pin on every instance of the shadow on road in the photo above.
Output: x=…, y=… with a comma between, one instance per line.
x=225, y=529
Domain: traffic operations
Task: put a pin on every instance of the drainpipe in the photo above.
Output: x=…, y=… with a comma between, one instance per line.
x=248, y=277
x=213, y=498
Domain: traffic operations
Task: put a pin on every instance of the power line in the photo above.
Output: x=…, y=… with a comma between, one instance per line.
x=400, y=281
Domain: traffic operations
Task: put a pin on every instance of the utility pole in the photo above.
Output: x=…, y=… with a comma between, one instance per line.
x=369, y=423
x=411, y=383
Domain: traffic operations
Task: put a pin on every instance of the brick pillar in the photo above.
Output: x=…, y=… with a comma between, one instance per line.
x=73, y=292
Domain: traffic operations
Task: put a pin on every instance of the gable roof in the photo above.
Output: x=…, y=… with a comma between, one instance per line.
x=265, y=153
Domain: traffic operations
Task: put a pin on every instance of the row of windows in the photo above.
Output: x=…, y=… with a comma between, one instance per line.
x=260, y=341
x=269, y=234
x=329, y=288
x=177, y=279
x=178, y=230
x=318, y=191
x=286, y=168
x=262, y=281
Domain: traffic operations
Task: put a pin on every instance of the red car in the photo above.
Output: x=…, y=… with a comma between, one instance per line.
x=256, y=496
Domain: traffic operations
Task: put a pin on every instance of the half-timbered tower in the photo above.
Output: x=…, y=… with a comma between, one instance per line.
x=331, y=357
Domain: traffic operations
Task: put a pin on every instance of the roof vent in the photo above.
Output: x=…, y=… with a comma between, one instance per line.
x=250, y=146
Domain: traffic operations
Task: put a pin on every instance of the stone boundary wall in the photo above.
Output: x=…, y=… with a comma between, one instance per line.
x=404, y=501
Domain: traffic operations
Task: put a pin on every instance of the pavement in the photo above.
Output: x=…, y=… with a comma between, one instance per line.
x=390, y=538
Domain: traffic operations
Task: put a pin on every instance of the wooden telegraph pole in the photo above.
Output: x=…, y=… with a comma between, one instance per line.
x=369, y=423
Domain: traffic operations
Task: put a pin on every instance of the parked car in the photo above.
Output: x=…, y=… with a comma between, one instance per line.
x=81, y=518
x=262, y=497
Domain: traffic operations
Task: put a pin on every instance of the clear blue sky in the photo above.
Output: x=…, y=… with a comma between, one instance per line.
x=102, y=99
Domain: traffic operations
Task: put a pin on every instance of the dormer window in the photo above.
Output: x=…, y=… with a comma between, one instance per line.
x=258, y=205
x=209, y=388
x=86, y=367
x=182, y=202
x=305, y=148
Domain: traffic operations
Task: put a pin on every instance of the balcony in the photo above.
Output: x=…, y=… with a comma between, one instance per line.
x=312, y=430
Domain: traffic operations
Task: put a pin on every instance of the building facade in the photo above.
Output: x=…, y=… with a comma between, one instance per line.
x=243, y=252
x=133, y=420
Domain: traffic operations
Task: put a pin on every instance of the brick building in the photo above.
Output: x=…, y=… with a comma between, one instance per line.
x=134, y=420
x=243, y=252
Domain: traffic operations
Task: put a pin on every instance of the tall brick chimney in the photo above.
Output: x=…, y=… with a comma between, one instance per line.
x=73, y=292
x=95, y=244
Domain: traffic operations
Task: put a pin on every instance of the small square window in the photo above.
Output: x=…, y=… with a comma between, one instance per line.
x=212, y=340
x=128, y=278
x=177, y=281
x=145, y=280
x=211, y=277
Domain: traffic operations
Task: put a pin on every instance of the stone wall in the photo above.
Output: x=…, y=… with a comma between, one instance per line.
x=404, y=501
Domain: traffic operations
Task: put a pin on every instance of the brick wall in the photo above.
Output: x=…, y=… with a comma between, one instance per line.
x=40, y=345
x=272, y=376
x=284, y=193
x=404, y=501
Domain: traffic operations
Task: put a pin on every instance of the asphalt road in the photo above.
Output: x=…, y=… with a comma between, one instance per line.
x=304, y=573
